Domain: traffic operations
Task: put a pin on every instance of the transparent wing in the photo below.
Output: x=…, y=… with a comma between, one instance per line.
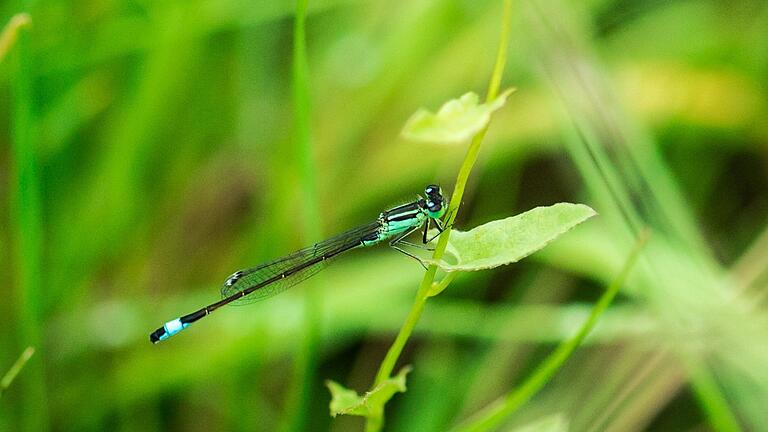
x=244, y=279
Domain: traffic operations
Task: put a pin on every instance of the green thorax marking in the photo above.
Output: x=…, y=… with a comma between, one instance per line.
x=399, y=220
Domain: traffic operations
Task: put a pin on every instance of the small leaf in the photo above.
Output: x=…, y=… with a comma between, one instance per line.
x=457, y=121
x=509, y=240
x=346, y=401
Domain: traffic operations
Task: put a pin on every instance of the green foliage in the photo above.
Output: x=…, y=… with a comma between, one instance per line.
x=370, y=405
x=509, y=240
x=456, y=121
x=427, y=282
x=494, y=415
x=149, y=149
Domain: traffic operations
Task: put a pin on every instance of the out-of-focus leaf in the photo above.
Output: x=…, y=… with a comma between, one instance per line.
x=11, y=31
x=508, y=240
x=457, y=120
x=346, y=401
x=553, y=423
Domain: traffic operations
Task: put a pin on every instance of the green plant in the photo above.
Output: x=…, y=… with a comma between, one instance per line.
x=137, y=172
x=493, y=415
x=490, y=245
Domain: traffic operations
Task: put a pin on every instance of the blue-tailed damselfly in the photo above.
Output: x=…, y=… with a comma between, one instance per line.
x=274, y=277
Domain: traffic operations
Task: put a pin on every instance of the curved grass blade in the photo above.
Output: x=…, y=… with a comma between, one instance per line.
x=494, y=414
x=15, y=369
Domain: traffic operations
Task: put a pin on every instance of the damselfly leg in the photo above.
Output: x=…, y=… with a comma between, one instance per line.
x=397, y=241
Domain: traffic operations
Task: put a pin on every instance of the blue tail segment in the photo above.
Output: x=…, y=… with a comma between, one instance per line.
x=169, y=329
x=172, y=327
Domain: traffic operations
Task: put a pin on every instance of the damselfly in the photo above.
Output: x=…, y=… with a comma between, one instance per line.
x=266, y=280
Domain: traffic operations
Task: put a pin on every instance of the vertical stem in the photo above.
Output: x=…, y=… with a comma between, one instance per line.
x=373, y=424
x=27, y=236
x=388, y=364
x=300, y=395
x=458, y=192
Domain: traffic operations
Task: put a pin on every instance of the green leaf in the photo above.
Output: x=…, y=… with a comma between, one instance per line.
x=346, y=401
x=508, y=240
x=457, y=121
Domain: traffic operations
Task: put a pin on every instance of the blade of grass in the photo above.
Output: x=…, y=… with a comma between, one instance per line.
x=15, y=369
x=305, y=367
x=617, y=161
x=494, y=414
x=711, y=398
x=27, y=227
x=112, y=196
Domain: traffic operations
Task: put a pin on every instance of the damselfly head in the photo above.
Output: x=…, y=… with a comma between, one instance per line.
x=434, y=202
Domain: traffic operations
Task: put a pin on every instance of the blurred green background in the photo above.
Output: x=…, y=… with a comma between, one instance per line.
x=148, y=149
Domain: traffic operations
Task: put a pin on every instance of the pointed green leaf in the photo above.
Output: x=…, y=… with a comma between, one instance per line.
x=346, y=401
x=457, y=121
x=509, y=240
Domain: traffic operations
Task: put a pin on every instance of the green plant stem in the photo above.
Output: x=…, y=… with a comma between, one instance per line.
x=15, y=369
x=705, y=387
x=458, y=192
x=305, y=367
x=438, y=287
x=27, y=231
x=493, y=415
x=388, y=364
